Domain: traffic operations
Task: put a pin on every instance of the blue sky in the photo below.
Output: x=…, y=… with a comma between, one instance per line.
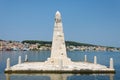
x=86, y=21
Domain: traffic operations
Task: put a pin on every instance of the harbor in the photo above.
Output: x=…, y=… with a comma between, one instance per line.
x=59, y=40
x=58, y=62
x=41, y=56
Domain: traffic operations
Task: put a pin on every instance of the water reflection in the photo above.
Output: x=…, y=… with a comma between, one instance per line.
x=111, y=76
x=59, y=76
x=7, y=76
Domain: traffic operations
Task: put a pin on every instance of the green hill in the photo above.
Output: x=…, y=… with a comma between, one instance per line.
x=68, y=43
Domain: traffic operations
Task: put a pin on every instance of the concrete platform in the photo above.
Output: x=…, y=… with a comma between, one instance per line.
x=75, y=67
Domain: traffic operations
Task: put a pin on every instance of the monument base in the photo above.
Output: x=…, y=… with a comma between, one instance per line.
x=59, y=61
x=44, y=67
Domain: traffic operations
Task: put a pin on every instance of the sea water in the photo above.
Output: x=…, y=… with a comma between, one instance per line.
x=102, y=58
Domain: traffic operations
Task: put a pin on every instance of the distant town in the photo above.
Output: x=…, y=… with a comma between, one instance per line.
x=35, y=45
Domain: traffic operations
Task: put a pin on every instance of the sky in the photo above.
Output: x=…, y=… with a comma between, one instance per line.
x=87, y=21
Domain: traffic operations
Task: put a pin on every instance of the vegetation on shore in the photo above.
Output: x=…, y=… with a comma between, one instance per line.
x=68, y=43
x=46, y=45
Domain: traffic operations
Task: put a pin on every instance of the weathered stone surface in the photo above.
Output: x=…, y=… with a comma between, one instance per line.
x=58, y=53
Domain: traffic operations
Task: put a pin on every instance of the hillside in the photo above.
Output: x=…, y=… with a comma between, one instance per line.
x=46, y=45
x=68, y=43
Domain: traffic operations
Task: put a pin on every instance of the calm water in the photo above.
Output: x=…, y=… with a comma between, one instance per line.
x=103, y=58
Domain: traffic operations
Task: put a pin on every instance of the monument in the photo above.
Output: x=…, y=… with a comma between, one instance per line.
x=58, y=51
x=58, y=61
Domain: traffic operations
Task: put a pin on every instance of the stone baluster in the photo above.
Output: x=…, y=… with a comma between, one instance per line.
x=8, y=63
x=26, y=58
x=19, y=60
x=85, y=58
x=95, y=60
x=111, y=63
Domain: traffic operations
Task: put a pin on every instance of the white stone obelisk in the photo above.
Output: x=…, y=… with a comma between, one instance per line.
x=58, y=51
x=58, y=43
